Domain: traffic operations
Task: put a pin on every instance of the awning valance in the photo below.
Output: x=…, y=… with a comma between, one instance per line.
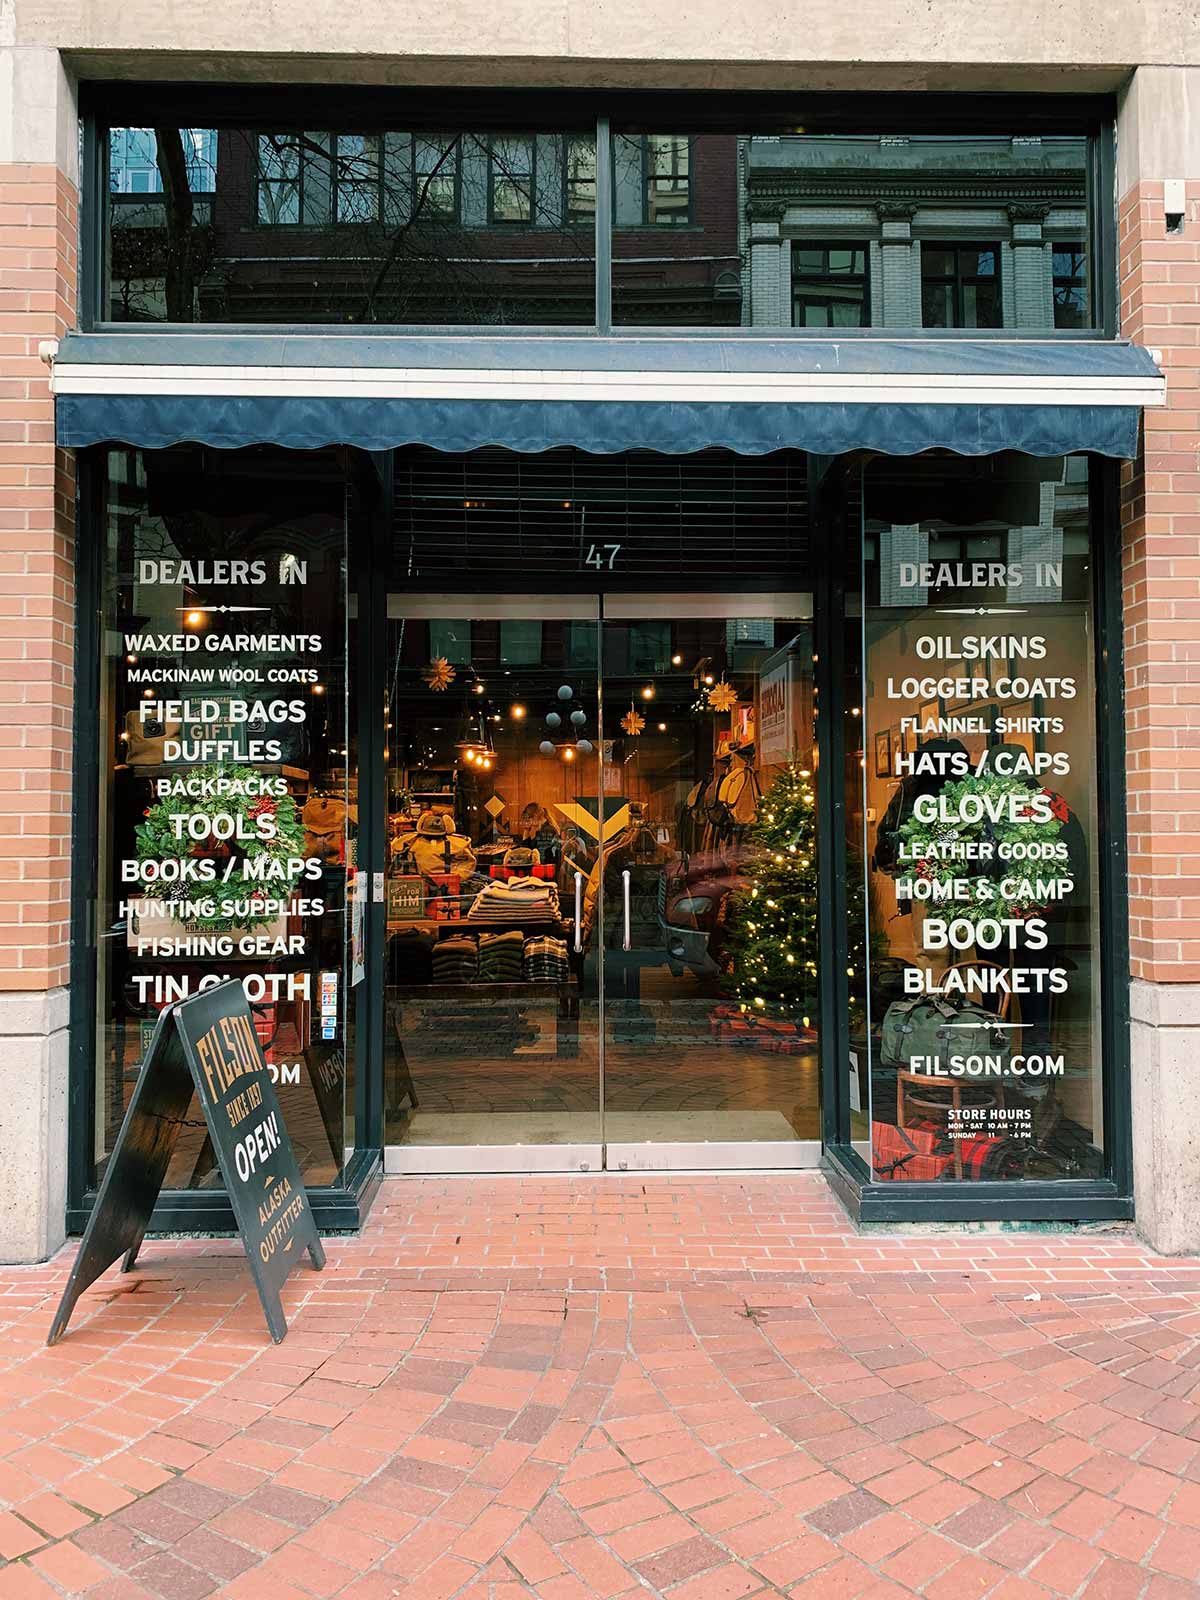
x=1044, y=397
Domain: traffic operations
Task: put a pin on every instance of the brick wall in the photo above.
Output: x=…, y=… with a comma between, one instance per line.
x=1160, y=514
x=38, y=233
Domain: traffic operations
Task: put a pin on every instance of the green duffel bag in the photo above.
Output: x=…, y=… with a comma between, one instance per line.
x=925, y=1026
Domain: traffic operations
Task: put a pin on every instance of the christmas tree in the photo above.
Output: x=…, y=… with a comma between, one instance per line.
x=773, y=939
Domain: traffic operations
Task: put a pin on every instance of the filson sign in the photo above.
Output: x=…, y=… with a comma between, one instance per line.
x=207, y=1044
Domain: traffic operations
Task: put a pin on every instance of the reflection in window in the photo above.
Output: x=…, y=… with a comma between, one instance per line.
x=520, y=642
x=581, y=180
x=279, y=178
x=435, y=176
x=510, y=179
x=667, y=178
x=960, y=285
x=1070, y=285
x=451, y=641
x=830, y=286
x=133, y=163
x=356, y=177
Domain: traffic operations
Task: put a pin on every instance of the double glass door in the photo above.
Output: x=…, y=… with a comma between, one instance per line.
x=601, y=886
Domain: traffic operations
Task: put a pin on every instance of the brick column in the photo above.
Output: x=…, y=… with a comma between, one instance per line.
x=38, y=248
x=1160, y=515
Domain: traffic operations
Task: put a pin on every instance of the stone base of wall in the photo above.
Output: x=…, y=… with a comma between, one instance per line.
x=33, y=1124
x=1165, y=1051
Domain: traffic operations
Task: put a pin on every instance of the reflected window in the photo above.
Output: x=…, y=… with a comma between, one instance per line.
x=520, y=642
x=511, y=179
x=1070, y=284
x=435, y=177
x=668, y=193
x=960, y=285
x=279, y=178
x=356, y=177
x=580, y=181
x=830, y=286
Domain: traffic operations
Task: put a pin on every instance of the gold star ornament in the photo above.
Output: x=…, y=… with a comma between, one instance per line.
x=722, y=697
x=633, y=722
x=439, y=674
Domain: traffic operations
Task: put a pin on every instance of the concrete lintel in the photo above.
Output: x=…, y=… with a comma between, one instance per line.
x=503, y=69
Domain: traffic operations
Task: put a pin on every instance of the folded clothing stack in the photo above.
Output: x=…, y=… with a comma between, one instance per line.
x=410, y=956
x=545, y=959
x=500, y=957
x=520, y=900
x=455, y=960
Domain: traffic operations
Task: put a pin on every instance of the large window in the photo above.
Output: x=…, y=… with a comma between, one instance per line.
x=369, y=226
x=960, y=285
x=227, y=817
x=976, y=945
x=437, y=215
x=830, y=286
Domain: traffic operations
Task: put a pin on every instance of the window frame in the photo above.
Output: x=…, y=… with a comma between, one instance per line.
x=826, y=245
x=959, y=280
x=493, y=221
x=266, y=108
x=589, y=219
x=427, y=136
x=1081, y=280
x=684, y=220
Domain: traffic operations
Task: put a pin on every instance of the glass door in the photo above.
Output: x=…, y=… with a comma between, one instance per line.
x=494, y=811
x=707, y=919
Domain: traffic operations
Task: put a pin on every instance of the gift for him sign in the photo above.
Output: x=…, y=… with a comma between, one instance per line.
x=207, y=1044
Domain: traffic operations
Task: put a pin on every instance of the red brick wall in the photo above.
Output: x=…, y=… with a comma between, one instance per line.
x=1160, y=514
x=38, y=234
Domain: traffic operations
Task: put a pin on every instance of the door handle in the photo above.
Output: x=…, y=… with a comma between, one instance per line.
x=627, y=942
x=578, y=913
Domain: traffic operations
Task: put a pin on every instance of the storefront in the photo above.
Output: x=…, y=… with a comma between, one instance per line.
x=693, y=740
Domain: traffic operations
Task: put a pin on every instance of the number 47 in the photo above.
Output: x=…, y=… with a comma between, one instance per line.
x=595, y=558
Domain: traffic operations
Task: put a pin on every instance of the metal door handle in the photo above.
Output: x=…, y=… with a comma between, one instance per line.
x=578, y=913
x=627, y=942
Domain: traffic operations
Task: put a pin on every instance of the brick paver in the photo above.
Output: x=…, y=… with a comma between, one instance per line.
x=601, y=1388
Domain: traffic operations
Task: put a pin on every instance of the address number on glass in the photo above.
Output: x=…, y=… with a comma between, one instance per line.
x=601, y=556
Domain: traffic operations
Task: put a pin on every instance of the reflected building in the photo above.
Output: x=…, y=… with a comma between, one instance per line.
x=916, y=231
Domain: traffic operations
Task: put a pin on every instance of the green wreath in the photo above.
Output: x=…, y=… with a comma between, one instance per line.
x=156, y=840
x=985, y=900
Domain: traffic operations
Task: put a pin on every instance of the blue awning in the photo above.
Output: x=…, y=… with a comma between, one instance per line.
x=753, y=395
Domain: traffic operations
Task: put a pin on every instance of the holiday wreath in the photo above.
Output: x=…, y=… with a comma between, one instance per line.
x=932, y=847
x=280, y=838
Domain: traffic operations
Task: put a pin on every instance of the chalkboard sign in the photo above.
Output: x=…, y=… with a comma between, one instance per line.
x=206, y=1043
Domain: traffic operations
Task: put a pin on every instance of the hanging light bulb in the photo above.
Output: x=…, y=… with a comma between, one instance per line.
x=516, y=712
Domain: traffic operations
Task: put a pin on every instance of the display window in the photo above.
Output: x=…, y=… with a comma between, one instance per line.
x=976, y=1021
x=227, y=806
x=564, y=811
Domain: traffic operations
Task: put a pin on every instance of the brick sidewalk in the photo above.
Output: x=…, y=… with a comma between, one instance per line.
x=596, y=1389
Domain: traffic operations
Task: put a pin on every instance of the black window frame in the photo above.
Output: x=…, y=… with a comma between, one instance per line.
x=959, y=280
x=826, y=245
x=268, y=108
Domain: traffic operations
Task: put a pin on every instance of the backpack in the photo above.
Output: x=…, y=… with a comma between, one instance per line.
x=925, y=1026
